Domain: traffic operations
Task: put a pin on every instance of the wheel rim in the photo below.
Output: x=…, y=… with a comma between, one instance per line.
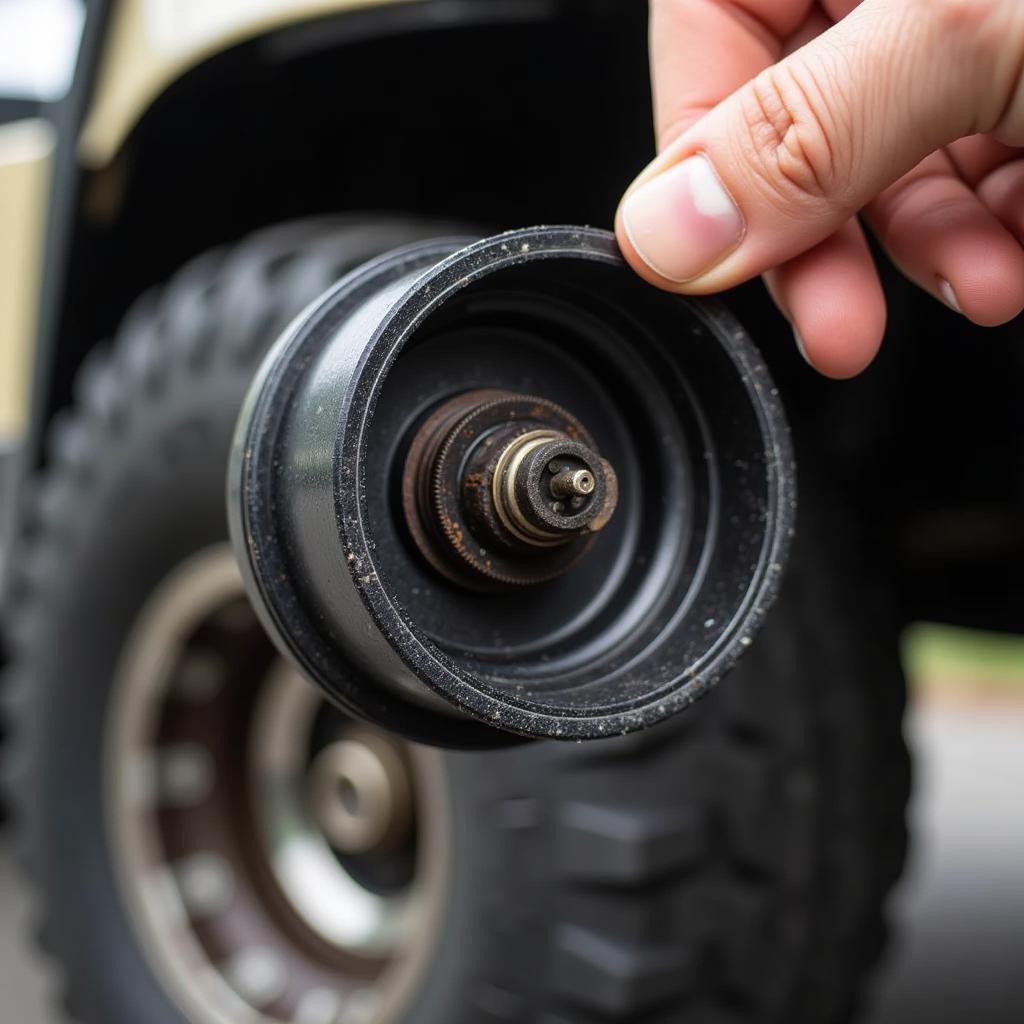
x=278, y=862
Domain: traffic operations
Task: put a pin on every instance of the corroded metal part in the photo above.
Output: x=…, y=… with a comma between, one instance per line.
x=478, y=490
x=524, y=490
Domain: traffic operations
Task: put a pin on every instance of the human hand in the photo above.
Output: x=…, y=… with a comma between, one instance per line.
x=780, y=120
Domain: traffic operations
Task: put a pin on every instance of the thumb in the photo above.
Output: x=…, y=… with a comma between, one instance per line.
x=781, y=164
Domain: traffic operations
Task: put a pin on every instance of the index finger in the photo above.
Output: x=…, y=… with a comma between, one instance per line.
x=704, y=50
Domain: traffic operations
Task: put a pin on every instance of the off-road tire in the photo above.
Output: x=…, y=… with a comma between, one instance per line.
x=729, y=866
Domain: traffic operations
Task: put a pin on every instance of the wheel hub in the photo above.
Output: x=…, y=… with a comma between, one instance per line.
x=288, y=864
x=360, y=794
x=502, y=490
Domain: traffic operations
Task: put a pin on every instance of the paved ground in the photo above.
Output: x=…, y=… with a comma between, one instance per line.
x=959, y=956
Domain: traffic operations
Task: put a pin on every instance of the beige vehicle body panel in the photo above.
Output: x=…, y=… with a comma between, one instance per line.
x=26, y=156
x=151, y=43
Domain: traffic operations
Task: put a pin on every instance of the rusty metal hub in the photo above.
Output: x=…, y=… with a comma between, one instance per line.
x=502, y=490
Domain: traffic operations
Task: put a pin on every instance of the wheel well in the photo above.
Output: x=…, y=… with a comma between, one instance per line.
x=505, y=121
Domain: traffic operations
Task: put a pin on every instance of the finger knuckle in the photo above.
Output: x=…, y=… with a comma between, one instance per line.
x=900, y=210
x=792, y=138
x=966, y=19
x=977, y=33
x=982, y=39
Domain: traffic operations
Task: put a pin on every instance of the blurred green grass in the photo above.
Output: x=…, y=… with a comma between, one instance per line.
x=949, y=659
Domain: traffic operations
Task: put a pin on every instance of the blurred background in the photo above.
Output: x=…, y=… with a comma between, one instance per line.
x=958, y=915
x=959, y=911
x=957, y=947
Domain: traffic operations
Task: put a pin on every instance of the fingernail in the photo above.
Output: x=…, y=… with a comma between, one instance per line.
x=800, y=347
x=946, y=289
x=683, y=223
